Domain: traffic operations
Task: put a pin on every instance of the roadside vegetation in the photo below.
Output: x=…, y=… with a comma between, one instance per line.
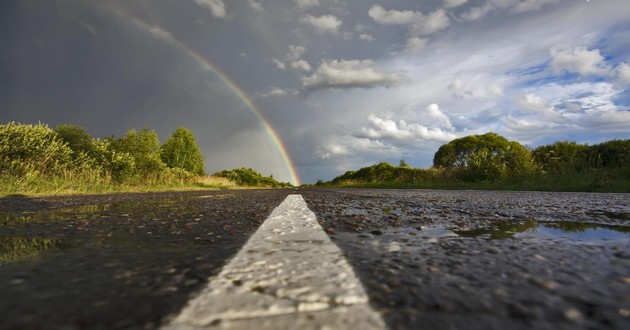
x=35, y=159
x=490, y=161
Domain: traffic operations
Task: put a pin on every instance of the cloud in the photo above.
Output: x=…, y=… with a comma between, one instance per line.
x=433, y=125
x=255, y=5
x=343, y=74
x=301, y=65
x=322, y=24
x=331, y=150
x=279, y=64
x=275, y=92
x=531, y=5
x=419, y=23
x=393, y=17
x=159, y=33
x=295, y=52
x=454, y=3
x=366, y=37
x=579, y=59
x=415, y=44
x=217, y=7
x=623, y=72
x=514, y=6
x=306, y=4
x=532, y=103
x=461, y=90
x=352, y=146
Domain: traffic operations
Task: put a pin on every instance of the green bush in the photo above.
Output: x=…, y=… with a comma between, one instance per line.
x=31, y=150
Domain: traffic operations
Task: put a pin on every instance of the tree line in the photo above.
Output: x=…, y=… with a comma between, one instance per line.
x=36, y=154
x=492, y=161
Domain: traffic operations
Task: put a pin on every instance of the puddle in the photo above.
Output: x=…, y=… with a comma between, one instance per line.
x=575, y=231
x=28, y=234
x=18, y=248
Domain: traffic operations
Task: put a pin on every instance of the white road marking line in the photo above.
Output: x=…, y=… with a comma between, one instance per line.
x=289, y=275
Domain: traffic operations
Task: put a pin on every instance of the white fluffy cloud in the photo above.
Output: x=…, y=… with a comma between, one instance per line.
x=579, y=59
x=279, y=64
x=381, y=128
x=301, y=65
x=217, y=7
x=433, y=125
x=623, y=70
x=419, y=23
x=255, y=5
x=323, y=24
x=344, y=74
x=514, y=6
x=461, y=90
x=295, y=52
x=415, y=44
x=366, y=37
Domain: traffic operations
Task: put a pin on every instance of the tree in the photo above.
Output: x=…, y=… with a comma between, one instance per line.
x=484, y=157
x=144, y=147
x=403, y=163
x=31, y=149
x=562, y=157
x=77, y=138
x=181, y=151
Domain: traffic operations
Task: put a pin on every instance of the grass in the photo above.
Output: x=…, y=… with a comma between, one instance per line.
x=616, y=180
x=35, y=185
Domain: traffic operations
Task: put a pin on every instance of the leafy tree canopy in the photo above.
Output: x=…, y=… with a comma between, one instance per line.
x=181, y=151
x=484, y=157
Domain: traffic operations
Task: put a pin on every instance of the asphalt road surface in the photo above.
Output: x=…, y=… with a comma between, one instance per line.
x=401, y=259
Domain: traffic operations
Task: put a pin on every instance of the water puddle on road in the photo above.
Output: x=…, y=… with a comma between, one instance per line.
x=28, y=234
x=574, y=231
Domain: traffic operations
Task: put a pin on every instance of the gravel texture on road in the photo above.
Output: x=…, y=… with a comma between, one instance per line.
x=478, y=260
x=118, y=261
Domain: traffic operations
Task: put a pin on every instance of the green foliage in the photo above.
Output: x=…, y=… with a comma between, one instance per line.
x=181, y=151
x=385, y=172
x=403, y=163
x=31, y=149
x=485, y=157
x=490, y=161
x=249, y=177
x=36, y=159
x=144, y=147
x=77, y=138
x=562, y=157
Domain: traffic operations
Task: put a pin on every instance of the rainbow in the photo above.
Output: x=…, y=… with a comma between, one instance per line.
x=161, y=34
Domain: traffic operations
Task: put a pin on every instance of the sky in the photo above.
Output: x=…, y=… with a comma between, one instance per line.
x=308, y=89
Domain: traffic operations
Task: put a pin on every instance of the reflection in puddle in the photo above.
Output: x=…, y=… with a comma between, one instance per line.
x=577, y=231
x=21, y=232
x=18, y=248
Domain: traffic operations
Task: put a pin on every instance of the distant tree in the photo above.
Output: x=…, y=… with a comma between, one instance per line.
x=484, y=157
x=610, y=154
x=77, y=138
x=144, y=147
x=181, y=151
x=562, y=157
x=403, y=163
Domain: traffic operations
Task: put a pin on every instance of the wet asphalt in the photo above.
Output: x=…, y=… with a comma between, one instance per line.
x=485, y=260
x=118, y=261
x=430, y=259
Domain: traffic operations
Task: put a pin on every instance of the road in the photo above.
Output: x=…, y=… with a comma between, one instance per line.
x=405, y=258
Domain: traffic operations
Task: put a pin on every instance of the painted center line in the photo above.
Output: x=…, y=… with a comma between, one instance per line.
x=289, y=275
